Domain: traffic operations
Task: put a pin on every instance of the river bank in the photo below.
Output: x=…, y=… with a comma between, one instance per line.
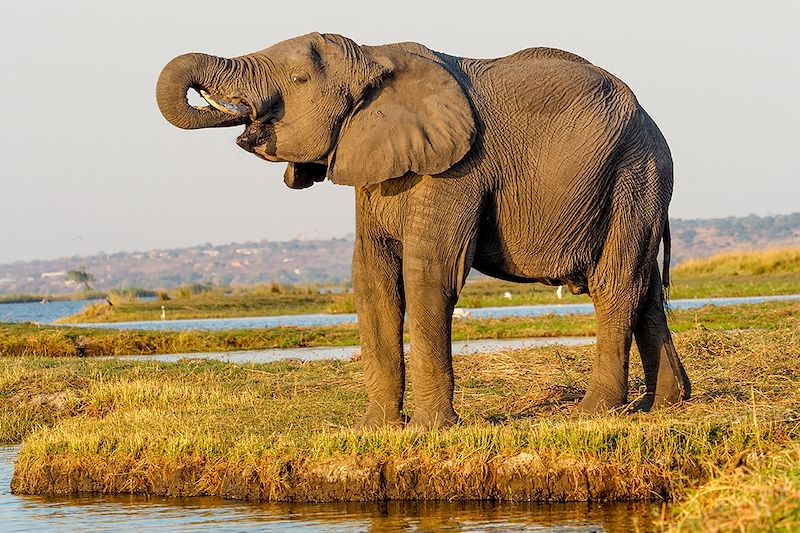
x=279, y=431
x=109, y=512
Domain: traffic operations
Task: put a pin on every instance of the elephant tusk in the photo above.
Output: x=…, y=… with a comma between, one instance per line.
x=225, y=106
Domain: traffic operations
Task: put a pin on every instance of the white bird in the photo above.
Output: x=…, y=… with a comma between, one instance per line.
x=460, y=312
x=163, y=313
x=507, y=295
x=560, y=292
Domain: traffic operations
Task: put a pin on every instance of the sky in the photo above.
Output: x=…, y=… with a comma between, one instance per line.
x=88, y=165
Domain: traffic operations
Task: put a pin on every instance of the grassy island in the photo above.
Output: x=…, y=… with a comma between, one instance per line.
x=730, y=457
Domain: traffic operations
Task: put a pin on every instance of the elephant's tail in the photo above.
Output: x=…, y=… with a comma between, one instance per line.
x=667, y=253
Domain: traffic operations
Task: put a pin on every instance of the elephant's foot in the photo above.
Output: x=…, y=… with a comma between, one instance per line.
x=672, y=387
x=675, y=387
x=599, y=400
x=378, y=416
x=434, y=418
x=672, y=391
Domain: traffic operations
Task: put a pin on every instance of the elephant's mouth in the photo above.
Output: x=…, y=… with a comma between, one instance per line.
x=304, y=175
x=262, y=153
x=259, y=139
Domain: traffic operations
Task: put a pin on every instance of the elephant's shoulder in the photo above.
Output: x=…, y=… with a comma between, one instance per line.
x=548, y=53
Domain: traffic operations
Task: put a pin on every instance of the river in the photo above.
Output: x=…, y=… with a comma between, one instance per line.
x=48, y=313
x=41, y=313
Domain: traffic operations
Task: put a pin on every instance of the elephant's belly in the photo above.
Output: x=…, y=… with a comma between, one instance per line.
x=509, y=271
x=519, y=257
x=495, y=263
x=535, y=231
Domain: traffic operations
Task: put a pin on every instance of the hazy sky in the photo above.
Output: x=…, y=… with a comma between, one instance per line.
x=88, y=164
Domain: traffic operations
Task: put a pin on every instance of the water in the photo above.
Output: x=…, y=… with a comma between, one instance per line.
x=140, y=513
x=345, y=353
x=49, y=313
x=41, y=313
x=212, y=324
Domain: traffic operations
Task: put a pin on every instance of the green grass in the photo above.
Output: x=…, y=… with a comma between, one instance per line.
x=281, y=430
x=58, y=341
x=62, y=341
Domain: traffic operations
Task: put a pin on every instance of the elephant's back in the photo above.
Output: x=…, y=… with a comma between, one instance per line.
x=545, y=53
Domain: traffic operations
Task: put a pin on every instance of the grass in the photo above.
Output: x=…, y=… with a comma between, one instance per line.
x=783, y=261
x=763, y=494
x=281, y=431
x=218, y=302
x=60, y=341
x=56, y=341
x=745, y=274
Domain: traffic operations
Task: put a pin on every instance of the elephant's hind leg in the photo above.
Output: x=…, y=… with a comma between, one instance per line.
x=617, y=285
x=608, y=382
x=665, y=377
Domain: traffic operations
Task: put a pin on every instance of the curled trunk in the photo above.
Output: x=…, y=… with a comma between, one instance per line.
x=200, y=72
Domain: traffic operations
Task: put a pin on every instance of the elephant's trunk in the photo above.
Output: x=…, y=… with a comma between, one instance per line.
x=200, y=72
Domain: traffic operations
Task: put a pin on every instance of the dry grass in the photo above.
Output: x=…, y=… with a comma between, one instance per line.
x=781, y=261
x=762, y=494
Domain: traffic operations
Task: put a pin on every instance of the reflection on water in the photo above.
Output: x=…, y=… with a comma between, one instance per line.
x=115, y=513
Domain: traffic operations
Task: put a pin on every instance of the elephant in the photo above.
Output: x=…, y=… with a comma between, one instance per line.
x=534, y=167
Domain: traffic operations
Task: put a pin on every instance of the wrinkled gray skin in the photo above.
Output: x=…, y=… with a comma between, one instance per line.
x=536, y=167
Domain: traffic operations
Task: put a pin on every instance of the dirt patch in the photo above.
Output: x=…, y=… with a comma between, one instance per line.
x=52, y=400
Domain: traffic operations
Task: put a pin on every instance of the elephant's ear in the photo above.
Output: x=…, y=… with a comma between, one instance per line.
x=417, y=119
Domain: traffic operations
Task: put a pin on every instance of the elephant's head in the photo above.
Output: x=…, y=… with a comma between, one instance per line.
x=328, y=107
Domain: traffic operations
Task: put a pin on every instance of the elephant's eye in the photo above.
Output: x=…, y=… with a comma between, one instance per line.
x=299, y=77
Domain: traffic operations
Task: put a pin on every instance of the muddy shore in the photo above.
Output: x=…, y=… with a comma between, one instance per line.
x=523, y=477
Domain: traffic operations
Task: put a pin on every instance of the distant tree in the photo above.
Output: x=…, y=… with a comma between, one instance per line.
x=80, y=277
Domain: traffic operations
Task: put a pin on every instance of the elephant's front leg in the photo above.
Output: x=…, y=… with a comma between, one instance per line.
x=378, y=288
x=434, y=274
